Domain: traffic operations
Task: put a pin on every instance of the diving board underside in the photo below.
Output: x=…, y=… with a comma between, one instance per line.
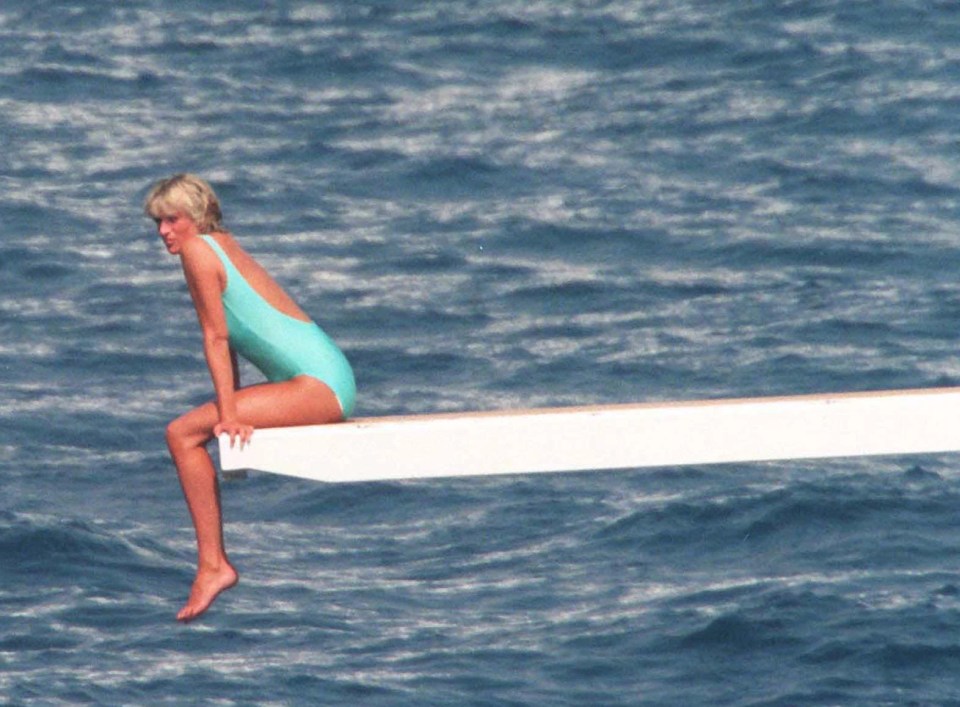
x=608, y=437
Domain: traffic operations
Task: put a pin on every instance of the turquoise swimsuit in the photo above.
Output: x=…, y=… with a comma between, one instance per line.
x=280, y=346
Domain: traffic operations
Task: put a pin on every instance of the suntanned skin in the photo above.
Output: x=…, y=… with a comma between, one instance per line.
x=303, y=400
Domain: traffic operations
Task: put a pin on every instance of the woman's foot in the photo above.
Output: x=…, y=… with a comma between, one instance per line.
x=206, y=586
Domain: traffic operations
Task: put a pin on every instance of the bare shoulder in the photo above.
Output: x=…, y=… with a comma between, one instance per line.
x=238, y=255
x=229, y=244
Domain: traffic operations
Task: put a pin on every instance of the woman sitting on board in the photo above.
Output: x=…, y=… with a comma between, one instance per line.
x=241, y=310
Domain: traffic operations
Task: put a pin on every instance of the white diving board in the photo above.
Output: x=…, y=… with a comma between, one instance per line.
x=608, y=437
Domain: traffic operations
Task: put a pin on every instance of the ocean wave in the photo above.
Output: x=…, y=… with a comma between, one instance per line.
x=32, y=546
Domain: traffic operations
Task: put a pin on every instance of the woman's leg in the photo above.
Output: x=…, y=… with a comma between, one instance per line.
x=300, y=401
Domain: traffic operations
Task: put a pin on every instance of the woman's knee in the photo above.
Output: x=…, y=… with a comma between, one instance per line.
x=183, y=433
x=175, y=434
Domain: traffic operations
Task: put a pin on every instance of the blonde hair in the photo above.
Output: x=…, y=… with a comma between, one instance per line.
x=187, y=194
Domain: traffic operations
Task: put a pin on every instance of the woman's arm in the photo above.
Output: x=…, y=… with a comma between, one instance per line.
x=206, y=278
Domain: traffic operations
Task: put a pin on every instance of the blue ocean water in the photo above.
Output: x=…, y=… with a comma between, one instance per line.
x=489, y=205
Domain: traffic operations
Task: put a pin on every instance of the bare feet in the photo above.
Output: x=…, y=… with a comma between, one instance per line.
x=206, y=586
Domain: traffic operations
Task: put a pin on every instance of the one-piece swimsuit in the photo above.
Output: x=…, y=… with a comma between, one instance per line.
x=280, y=346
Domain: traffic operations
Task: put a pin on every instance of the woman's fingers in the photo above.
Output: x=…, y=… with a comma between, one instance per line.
x=236, y=431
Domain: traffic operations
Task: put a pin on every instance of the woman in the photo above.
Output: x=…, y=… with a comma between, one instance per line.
x=241, y=310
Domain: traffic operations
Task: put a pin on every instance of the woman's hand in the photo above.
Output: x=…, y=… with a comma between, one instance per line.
x=236, y=430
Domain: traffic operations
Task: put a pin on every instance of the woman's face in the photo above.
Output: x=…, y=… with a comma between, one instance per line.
x=175, y=229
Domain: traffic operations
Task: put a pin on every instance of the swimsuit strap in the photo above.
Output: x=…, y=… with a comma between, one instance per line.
x=225, y=259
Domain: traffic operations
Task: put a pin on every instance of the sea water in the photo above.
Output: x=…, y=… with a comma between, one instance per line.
x=498, y=204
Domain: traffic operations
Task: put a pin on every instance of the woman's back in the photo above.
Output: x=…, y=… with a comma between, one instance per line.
x=258, y=278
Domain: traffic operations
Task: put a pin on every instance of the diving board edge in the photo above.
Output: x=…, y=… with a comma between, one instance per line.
x=621, y=436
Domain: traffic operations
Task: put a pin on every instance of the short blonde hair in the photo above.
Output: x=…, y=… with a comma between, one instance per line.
x=187, y=194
